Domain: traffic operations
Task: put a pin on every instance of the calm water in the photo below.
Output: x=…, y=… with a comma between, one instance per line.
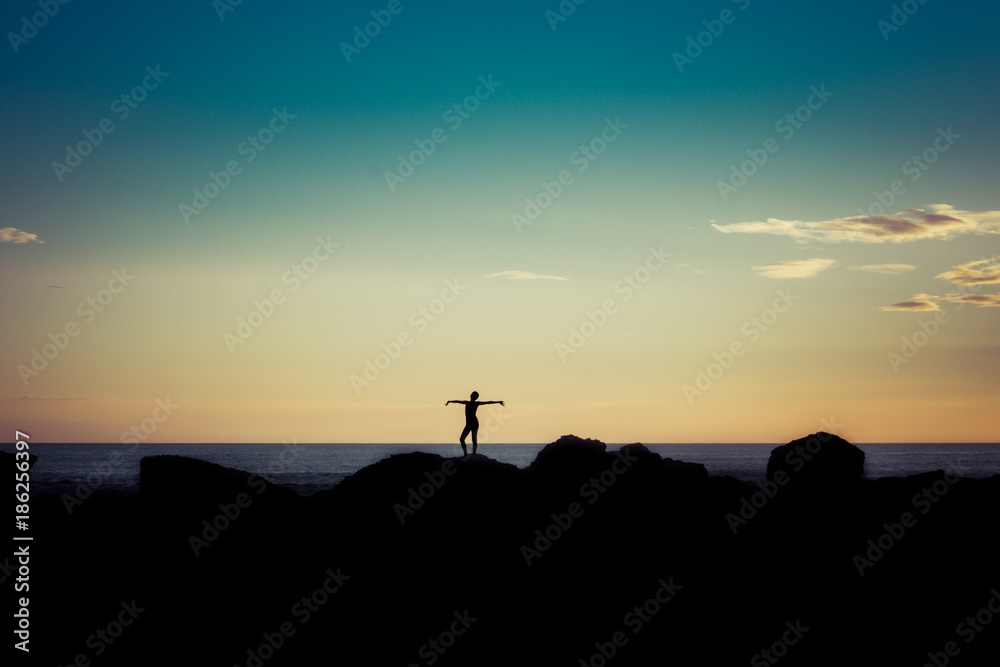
x=310, y=468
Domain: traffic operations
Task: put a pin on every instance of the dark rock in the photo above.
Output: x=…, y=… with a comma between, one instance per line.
x=820, y=459
x=672, y=467
x=551, y=561
x=683, y=469
x=569, y=451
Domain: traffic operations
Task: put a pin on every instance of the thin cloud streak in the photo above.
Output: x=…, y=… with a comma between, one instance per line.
x=523, y=275
x=979, y=272
x=884, y=269
x=795, y=268
x=943, y=223
x=919, y=303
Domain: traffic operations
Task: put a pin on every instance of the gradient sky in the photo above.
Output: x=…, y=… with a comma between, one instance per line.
x=862, y=283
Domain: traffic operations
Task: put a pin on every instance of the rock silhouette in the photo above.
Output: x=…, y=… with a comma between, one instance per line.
x=587, y=556
x=820, y=459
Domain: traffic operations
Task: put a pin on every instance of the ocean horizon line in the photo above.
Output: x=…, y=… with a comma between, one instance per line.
x=503, y=444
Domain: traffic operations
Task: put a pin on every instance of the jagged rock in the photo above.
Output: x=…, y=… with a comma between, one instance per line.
x=185, y=480
x=552, y=561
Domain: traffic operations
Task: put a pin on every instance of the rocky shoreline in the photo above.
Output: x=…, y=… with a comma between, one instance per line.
x=586, y=557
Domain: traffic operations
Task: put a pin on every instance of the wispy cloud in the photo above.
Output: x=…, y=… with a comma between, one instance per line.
x=523, y=275
x=979, y=272
x=884, y=269
x=968, y=276
x=926, y=301
x=980, y=300
x=919, y=302
x=943, y=222
x=12, y=235
x=795, y=268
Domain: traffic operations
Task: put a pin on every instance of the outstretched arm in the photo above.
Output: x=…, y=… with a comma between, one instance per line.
x=491, y=402
x=462, y=402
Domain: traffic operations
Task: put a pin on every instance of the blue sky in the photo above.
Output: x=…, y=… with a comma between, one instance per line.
x=889, y=96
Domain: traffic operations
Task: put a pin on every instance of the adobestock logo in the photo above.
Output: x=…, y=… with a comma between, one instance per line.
x=696, y=44
x=381, y=18
x=898, y=18
x=264, y=309
x=122, y=106
x=218, y=181
x=597, y=318
x=787, y=126
x=585, y=155
x=38, y=20
x=915, y=167
x=420, y=320
x=752, y=329
x=88, y=309
x=454, y=116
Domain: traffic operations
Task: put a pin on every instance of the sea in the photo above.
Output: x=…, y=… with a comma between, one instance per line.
x=113, y=469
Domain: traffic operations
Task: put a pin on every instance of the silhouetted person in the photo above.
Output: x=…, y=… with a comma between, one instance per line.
x=471, y=422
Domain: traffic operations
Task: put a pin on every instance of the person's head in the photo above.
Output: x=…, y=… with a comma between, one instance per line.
x=474, y=395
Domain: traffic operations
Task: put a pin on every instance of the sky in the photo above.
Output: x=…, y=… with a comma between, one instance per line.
x=727, y=221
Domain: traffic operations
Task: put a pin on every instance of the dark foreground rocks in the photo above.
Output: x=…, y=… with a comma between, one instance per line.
x=586, y=557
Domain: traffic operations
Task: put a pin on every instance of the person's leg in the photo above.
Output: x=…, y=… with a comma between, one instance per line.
x=465, y=434
x=475, y=434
